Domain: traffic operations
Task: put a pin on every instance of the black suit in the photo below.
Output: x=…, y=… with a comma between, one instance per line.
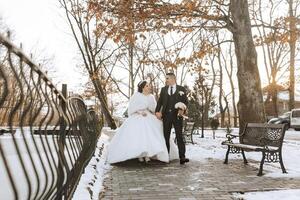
x=166, y=105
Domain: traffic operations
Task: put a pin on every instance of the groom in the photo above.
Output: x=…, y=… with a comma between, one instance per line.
x=165, y=110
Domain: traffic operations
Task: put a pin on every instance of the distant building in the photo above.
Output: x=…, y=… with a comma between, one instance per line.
x=282, y=100
x=227, y=119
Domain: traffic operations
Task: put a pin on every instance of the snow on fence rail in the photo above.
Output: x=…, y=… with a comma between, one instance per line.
x=46, y=138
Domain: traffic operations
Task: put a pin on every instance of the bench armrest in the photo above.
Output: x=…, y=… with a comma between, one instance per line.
x=230, y=136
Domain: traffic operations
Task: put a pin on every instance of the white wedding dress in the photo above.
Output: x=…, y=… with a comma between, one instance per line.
x=141, y=136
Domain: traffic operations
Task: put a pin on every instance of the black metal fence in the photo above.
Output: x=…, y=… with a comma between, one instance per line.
x=46, y=138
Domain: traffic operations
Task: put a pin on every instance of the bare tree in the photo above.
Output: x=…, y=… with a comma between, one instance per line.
x=93, y=46
x=292, y=44
x=248, y=74
x=222, y=109
x=232, y=15
x=272, y=41
x=229, y=71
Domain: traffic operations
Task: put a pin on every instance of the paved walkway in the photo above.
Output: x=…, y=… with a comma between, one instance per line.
x=195, y=180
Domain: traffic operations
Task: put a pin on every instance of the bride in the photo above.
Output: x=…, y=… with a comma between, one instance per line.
x=141, y=135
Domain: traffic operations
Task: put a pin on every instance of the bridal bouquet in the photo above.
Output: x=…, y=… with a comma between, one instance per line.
x=181, y=106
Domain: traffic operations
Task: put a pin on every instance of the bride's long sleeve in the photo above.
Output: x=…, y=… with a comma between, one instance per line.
x=152, y=103
x=136, y=103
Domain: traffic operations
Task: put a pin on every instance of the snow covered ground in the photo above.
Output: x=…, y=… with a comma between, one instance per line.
x=205, y=149
x=208, y=148
x=91, y=181
x=41, y=175
x=274, y=195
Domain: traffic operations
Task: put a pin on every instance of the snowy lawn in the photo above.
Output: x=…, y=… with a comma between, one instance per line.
x=91, y=181
x=274, y=195
x=43, y=177
x=209, y=148
x=205, y=149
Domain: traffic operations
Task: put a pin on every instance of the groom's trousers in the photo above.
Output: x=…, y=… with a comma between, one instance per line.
x=171, y=119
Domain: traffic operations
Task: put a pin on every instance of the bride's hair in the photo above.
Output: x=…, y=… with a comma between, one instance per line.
x=141, y=86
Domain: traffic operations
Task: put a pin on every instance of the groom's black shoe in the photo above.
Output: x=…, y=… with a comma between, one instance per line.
x=184, y=160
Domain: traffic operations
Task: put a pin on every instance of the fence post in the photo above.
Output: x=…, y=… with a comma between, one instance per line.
x=61, y=142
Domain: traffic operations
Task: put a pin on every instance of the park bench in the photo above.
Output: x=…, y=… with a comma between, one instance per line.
x=264, y=138
x=188, y=132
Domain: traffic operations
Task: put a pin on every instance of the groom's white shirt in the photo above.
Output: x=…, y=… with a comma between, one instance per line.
x=173, y=89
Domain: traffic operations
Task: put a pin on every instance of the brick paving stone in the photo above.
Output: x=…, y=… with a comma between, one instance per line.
x=195, y=180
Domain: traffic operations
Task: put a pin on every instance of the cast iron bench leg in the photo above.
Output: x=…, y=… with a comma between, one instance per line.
x=261, y=164
x=281, y=163
x=227, y=153
x=244, y=157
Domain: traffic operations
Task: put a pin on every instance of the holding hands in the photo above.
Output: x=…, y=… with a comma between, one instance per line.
x=158, y=115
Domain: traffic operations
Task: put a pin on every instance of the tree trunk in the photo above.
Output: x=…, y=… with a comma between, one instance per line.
x=103, y=104
x=228, y=112
x=206, y=111
x=235, y=115
x=222, y=110
x=250, y=106
x=292, y=44
x=274, y=94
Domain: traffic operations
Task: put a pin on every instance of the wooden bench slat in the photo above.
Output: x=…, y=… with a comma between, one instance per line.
x=264, y=125
x=250, y=147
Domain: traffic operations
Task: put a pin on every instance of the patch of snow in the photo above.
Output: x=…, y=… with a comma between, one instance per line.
x=208, y=148
x=108, y=132
x=43, y=164
x=274, y=195
x=91, y=181
x=203, y=150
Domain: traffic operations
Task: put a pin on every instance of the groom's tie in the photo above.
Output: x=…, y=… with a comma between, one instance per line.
x=171, y=90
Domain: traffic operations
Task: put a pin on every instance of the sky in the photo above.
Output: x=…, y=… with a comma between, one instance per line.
x=41, y=27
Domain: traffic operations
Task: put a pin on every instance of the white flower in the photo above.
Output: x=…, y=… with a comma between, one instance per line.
x=181, y=93
x=180, y=105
